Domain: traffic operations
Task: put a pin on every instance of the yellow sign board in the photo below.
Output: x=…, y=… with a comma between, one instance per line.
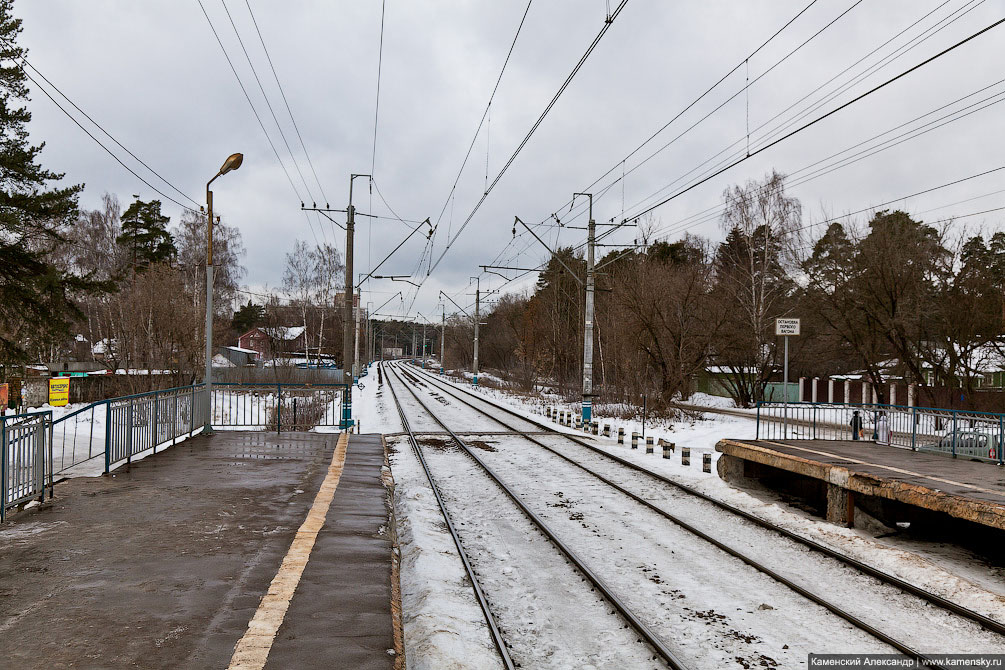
x=59, y=391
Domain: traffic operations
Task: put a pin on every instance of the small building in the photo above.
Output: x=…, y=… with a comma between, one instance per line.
x=393, y=352
x=238, y=356
x=267, y=342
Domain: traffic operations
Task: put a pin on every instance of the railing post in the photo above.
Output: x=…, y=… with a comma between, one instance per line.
x=3, y=469
x=153, y=438
x=998, y=447
x=914, y=429
x=954, y=433
x=191, y=412
x=814, y=416
x=279, y=408
x=52, y=465
x=174, y=419
x=108, y=435
x=129, y=431
x=757, y=429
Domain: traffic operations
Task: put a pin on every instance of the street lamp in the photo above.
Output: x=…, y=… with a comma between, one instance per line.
x=232, y=163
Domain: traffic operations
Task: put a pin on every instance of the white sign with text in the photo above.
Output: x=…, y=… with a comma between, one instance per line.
x=786, y=327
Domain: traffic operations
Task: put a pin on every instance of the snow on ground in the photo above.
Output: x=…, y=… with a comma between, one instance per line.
x=444, y=626
x=947, y=569
x=551, y=617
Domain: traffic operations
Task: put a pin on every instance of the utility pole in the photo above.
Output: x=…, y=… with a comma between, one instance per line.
x=423, y=343
x=443, y=336
x=348, y=366
x=588, y=329
x=474, y=366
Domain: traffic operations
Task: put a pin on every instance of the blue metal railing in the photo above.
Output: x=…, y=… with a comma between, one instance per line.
x=972, y=435
x=25, y=459
x=35, y=447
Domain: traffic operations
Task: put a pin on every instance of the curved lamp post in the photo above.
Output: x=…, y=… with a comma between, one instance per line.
x=232, y=163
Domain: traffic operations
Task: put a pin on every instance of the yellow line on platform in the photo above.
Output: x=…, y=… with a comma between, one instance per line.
x=885, y=467
x=252, y=651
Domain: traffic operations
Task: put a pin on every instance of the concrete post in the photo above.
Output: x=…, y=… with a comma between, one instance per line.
x=830, y=390
x=685, y=456
x=815, y=381
x=847, y=391
x=706, y=462
x=621, y=434
x=607, y=430
x=865, y=386
x=635, y=440
x=893, y=393
x=840, y=505
x=588, y=324
x=667, y=449
x=912, y=389
x=649, y=444
x=802, y=383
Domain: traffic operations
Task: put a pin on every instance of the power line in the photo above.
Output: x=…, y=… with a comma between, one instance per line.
x=275, y=118
x=254, y=110
x=568, y=80
x=713, y=212
x=918, y=40
x=376, y=106
x=745, y=88
x=99, y=142
x=821, y=117
x=488, y=106
x=282, y=92
x=101, y=128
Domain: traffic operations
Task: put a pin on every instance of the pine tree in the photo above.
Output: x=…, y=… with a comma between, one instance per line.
x=145, y=235
x=247, y=317
x=36, y=296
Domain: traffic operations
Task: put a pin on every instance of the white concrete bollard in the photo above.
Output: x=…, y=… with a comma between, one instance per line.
x=621, y=434
x=649, y=444
x=706, y=462
x=685, y=456
x=635, y=440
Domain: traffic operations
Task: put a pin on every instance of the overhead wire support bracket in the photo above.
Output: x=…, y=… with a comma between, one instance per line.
x=553, y=254
x=455, y=304
x=323, y=211
x=402, y=278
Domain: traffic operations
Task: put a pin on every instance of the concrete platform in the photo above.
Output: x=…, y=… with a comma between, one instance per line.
x=963, y=489
x=163, y=564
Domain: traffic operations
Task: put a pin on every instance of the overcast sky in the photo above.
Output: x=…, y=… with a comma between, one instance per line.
x=153, y=75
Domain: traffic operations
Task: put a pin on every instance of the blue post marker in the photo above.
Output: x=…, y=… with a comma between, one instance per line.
x=587, y=411
x=346, y=421
x=474, y=380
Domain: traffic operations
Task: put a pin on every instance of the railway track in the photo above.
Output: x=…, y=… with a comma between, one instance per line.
x=886, y=579
x=659, y=647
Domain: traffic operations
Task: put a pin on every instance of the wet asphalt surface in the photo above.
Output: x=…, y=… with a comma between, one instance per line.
x=163, y=564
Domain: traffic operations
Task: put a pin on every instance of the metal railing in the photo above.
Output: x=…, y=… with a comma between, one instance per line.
x=26, y=463
x=972, y=435
x=138, y=423
x=278, y=407
x=36, y=448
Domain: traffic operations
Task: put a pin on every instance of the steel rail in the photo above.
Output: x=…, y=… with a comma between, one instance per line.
x=984, y=621
x=834, y=609
x=496, y=635
x=641, y=628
